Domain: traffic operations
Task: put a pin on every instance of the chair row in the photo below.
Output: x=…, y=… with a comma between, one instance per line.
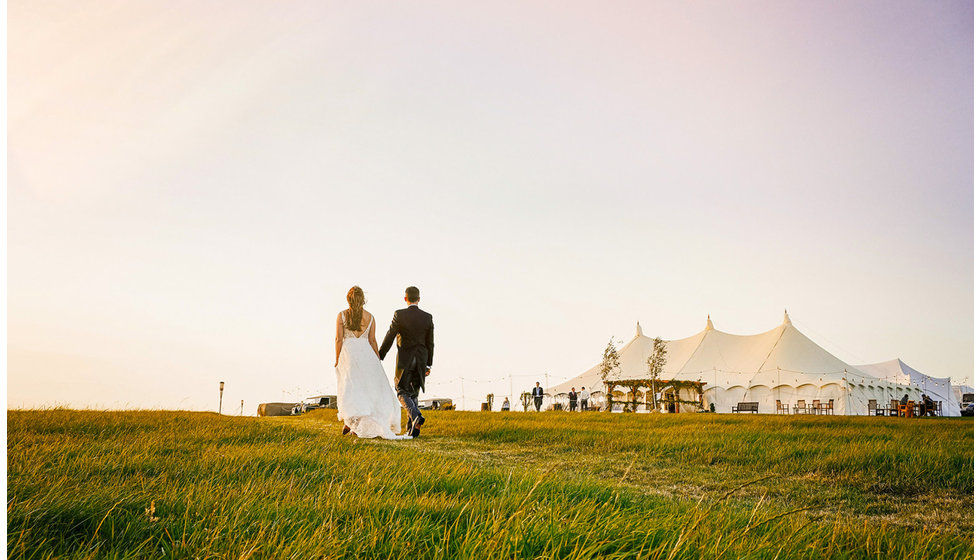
x=801, y=407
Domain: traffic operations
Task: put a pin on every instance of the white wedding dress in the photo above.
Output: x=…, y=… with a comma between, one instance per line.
x=365, y=400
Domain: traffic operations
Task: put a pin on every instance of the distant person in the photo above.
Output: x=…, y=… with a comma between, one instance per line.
x=905, y=408
x=572, y=400
x=413, y=329
x=505, y=407
x=928, y=406
x=583, y=400
x=538, y=393
x=366, y=403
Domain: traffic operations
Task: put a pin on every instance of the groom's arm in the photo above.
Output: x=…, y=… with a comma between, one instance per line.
x=390, y=337
x=430, y=343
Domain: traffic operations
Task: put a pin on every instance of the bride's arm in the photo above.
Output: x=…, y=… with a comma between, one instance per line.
x=339, y=342
x=373, y=341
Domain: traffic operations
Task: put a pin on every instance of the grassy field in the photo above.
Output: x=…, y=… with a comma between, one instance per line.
x=488, y=485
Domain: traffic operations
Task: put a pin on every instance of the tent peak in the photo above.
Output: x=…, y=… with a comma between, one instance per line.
x=710, y=326
x=786, y=320
x=639, y=329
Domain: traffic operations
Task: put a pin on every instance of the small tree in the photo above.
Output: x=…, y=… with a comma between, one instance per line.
x=526, y=400
x=608, y=366
x=655, y=364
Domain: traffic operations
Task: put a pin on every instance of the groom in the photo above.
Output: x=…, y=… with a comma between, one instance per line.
x=413, y=327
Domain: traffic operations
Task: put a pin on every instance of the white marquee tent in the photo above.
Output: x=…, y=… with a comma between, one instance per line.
x=780, y=364
x=939, y=389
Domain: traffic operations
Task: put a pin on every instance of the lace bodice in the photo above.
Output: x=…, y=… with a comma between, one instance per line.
x=354, y=334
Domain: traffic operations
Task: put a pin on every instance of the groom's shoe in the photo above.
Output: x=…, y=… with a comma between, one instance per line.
x=416, y=425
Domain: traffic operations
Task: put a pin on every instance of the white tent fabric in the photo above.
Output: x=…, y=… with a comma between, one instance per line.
x=779, y=364
x=938, y=389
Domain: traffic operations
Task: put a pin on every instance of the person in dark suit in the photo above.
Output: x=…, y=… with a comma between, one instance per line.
x=572, y=400
x=414, y=331
x=538, y=393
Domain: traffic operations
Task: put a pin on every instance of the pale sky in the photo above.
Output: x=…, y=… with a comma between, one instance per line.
x=194, y=186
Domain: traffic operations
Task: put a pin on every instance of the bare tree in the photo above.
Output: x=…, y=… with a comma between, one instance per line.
x=608, y=366
x=655, y=364
x=526, y=400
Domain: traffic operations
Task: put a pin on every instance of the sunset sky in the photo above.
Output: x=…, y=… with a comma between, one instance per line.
x=194, y=186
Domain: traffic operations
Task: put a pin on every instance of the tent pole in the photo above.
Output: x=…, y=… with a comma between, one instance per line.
x=779, y=392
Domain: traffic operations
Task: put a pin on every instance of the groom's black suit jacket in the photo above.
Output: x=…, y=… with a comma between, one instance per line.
x=414, y=330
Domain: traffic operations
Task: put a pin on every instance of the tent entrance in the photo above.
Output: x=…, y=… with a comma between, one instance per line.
x=668, y=395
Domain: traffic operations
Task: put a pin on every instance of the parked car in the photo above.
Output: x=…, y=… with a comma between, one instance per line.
x=314, y=403
x=437, y=404
x=966, y=407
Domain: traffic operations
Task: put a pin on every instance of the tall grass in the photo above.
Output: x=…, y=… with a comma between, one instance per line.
x=482, y=485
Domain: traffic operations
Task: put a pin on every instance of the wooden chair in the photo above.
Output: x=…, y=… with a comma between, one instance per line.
x=894, y=408
x=908, y=409
x=933, y=408
x=829, y=407
x=816, y=407
x=781, y=408
x=874, y=410
x=800, y=406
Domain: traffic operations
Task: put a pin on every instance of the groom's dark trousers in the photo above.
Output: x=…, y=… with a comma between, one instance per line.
x=413, y=329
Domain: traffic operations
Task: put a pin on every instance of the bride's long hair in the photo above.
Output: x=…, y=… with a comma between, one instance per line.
x=355, y=299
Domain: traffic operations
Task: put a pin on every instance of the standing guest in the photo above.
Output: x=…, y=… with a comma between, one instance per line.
x=583, y=400
x=572, y=400
x=538, y=393
x=506, y=406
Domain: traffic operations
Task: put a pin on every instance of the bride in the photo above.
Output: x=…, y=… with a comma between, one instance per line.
x=366, y=403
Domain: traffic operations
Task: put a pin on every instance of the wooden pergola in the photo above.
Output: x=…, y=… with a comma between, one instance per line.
x=656, y=386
